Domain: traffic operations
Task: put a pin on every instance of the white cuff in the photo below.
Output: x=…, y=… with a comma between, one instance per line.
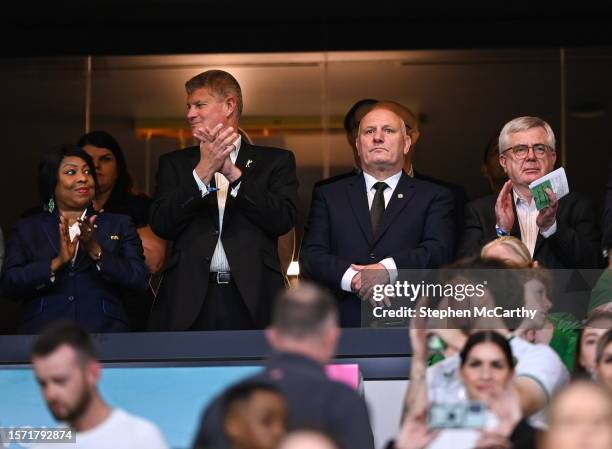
x=550, y=231
x=203, y=187
x=389, y=264
x=349, y=274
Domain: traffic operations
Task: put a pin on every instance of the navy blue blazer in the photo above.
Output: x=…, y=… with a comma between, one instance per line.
x=88, y=293
x=416, y=230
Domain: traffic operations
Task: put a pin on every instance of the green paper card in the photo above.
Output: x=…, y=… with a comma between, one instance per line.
x=539, y=195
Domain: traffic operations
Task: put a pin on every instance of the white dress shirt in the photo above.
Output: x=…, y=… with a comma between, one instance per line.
x=219, y=260
x=388, y=263
x=527, y=213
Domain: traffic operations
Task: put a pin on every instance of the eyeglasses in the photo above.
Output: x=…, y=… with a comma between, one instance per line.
x=521, y=151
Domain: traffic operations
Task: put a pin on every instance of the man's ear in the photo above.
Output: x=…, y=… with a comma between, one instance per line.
x=93, y=371
x=414, y=135
x=230, y=104
x=233, y=428
x=271, y=336
x=502, y=162
x=407, y=144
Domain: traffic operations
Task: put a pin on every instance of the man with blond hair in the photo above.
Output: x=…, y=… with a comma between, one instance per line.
x=223, y=203
x=563, y=235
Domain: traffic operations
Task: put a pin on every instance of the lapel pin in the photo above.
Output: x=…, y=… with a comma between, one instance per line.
x=400, y=195
x=248, y=163
x=114, y=237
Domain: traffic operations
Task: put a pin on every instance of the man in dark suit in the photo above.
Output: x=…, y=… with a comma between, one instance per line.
x=381, y=220
x=223, y=204
x=304, y=335
x=563, y=235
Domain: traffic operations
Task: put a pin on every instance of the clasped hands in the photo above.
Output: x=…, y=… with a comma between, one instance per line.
x=67, y=246
x=216, y=145
x=504, y=213
x=363, y=285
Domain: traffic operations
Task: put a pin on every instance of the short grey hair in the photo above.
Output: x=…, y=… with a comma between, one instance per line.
x=303, y=311
x=523, y=124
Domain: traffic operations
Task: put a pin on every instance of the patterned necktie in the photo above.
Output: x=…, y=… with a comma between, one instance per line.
x=378, y=204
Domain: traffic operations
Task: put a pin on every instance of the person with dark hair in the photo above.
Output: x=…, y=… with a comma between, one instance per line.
x=67, y=370
x=304, y=335
x=254, y=416
x=223, y=204
x=564, y=234
x=67, y=262
x=115, y=192
x=596, y=325
x=490, y=169
x=486, y=374
x=538, y=373
x=351, y=126
x=603, y=360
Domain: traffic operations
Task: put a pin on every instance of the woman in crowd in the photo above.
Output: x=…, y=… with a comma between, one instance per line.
x=559, y=330
x=115, y=194
x=594, y=327
x=67, y=263
x=603, y=360
x=486, y=372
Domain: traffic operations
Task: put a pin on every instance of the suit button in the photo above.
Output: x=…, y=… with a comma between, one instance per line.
x=372, y=257
x=216, y=232
x=70, y=298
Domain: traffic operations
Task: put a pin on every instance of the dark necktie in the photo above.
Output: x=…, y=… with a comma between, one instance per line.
x=378, y=204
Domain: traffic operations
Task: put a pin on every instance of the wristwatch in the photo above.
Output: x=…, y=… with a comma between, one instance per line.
x=500, y=232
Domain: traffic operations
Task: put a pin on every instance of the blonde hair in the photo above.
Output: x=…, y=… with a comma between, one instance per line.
x=515, y=245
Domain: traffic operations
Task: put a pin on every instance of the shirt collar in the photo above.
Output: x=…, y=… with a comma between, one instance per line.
x=518, y=200
x=237, y=144
x=391, y=180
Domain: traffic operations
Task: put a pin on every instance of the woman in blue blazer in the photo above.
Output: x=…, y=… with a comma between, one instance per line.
x=66, y=262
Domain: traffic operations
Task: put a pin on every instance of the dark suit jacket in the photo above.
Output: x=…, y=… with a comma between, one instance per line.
x=607, y=214
x=574, y=245
x=314, y=402
x=83, y=293
x=416, y=230
x=460, y=200
x=263, y=210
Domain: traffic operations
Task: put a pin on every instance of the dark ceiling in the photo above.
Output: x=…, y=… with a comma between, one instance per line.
x=189, y=26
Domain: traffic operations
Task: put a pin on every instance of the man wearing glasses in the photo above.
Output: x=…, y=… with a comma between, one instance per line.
x=563, y=235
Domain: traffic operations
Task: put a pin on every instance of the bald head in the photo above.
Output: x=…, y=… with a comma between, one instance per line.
x=305, y=321
x=307, y=440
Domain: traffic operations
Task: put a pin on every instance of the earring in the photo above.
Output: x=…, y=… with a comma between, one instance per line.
x=51, y=205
